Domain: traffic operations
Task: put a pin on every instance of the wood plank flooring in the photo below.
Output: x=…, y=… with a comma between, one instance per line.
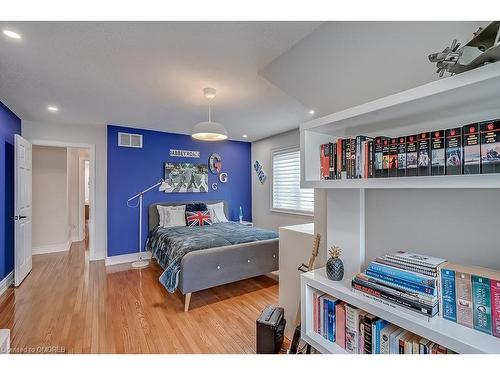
x=84, y=307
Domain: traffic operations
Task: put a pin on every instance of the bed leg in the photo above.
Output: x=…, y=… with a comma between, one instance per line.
x=187, y=300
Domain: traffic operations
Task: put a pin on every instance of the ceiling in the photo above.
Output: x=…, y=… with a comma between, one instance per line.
x=150, y=74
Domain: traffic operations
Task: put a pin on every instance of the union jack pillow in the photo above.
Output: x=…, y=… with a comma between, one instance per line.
x=198, y=218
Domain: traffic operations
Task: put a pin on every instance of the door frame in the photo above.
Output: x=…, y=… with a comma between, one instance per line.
x=81, y=196
x=92, y=176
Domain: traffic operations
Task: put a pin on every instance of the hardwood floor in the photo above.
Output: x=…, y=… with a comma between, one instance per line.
x=84, y=307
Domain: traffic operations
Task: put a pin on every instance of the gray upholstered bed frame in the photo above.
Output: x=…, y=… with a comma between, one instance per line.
x=221, y=265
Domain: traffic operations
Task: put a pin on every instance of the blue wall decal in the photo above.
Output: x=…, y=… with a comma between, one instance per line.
x=10, y=124
x=131, y=170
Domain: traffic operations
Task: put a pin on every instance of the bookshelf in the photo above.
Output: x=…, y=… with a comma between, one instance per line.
x=446, y=103
x=449, y=334
x=449, y=102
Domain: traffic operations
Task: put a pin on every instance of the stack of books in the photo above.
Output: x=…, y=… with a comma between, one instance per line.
x=403, y=279
x=469, y=149
x=359, y=332
x=470, y=296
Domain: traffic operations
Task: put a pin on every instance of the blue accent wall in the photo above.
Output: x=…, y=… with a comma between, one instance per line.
x=131, y=170
x=10, y=124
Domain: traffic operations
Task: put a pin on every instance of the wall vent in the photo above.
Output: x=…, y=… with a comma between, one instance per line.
x=130, y=140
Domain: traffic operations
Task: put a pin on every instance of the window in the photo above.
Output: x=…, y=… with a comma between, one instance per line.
x=287, y=194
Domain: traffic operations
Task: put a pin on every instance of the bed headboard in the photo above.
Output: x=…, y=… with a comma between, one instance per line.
x=153, y=218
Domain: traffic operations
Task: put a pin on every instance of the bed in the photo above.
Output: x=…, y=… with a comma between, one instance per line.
x=198, y=258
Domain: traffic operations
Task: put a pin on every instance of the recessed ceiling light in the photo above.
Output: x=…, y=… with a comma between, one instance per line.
x=11, y=34
x=244, y=136
x=52, y=108
x=312, y=112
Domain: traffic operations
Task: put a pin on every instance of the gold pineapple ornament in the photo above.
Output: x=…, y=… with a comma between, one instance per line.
x=334, y=265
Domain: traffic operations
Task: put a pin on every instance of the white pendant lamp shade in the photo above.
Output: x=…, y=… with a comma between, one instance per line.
x=209, y=130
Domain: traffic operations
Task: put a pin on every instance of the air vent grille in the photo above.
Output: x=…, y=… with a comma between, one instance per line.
x=130, y=140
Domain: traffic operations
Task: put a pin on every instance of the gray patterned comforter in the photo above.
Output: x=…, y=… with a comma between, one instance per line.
x=169, y=245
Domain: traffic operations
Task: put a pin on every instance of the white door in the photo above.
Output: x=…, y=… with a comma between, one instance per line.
x=22, y=209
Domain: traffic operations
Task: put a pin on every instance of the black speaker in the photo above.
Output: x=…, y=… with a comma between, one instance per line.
x=270, y=330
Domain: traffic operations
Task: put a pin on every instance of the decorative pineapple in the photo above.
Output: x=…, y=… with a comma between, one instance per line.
x=334, y=266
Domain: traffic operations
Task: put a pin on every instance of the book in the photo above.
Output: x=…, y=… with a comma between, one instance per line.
x=377, y=328
x=371, y=159
x=395, y=301
x=448, y=305
x=481, y=302
x=394, y=340
x=385, y=157
x=333, y=161
x=322, y=315
x=406, y=285
x=472, y=149
x=453, y=144
x=378, y=157
x=331, y=303
x=340, y=324
x=415, y=344
x=393, y=157
x=325, y=162
x=361, y=331
x=411, y=155
x=347, y=158
x=324, y=329
x=359, y=155
x=315, y=311
x=385, y=335
x=401, y=274
x=402, y=341
x=351, y=329
x=368, y=321
x=395, y=290
x=463, y=291
x=416, y=259
x=423, y=154
x=396, y=263
x=495, y=307
x=401, y=156
x=423, y=346
x=340, y=158
x=437, y=153
x=490, y=146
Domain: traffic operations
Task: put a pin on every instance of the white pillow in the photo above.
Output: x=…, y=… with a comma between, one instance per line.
x=217, y=212
x=172, y=216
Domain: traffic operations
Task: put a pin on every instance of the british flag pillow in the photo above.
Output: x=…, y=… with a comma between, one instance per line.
x=198, y=218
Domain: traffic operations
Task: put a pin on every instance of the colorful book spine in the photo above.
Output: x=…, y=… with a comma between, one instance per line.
x=331, y=319
x=453, y=144
x=472, y=149
x=448, y=299
x=411, y=155
x=423, y=154
x=437, y=153
x=340, y=324
x=404, y=275
x=369, y=320
x=385, y=157
x=481, y=302
x=325, y=162
x=371, y=159
x=361, y=332
x=401, y=156
x=377, y=157
x=379, y=326
x=325, y=318
x=333, y=161
x=463, y=291
x=393, y=157
x=402, y=283
x=351, y=329
x=495, y=307
x=490, y=147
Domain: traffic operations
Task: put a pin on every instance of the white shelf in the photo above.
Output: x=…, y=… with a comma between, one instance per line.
x=449, y=102
x=449, y=334
x=481, y=181
x=322, y=345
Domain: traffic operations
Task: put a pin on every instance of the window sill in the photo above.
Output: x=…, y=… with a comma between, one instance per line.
x=292, y=212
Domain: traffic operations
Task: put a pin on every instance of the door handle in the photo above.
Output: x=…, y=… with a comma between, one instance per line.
x=22, y=217
x=18, y=217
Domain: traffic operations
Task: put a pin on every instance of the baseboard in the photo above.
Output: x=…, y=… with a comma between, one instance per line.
x=6, y=282
x=126, y=258
x=51, y=248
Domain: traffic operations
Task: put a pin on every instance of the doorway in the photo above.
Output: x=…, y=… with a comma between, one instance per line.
x=63, y=185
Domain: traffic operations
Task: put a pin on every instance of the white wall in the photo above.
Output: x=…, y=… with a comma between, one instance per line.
x=76, y=185
x=261, y=193
x=88, y=134
x=459, y=225
x=50, y=201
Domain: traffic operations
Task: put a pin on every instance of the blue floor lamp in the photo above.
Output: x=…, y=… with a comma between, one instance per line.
x=141, y=263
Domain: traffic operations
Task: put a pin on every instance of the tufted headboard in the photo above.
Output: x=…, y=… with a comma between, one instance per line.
x=153, y=218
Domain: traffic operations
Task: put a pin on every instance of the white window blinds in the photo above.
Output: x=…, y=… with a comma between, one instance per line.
x=287, y=194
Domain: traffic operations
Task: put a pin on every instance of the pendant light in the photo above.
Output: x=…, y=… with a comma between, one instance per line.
x=209, y=130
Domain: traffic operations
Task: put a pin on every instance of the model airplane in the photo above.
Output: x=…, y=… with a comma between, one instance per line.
x=484, y=48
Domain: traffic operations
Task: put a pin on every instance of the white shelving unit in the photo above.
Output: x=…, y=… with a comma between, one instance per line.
x=449, y=334
x=450, y=102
